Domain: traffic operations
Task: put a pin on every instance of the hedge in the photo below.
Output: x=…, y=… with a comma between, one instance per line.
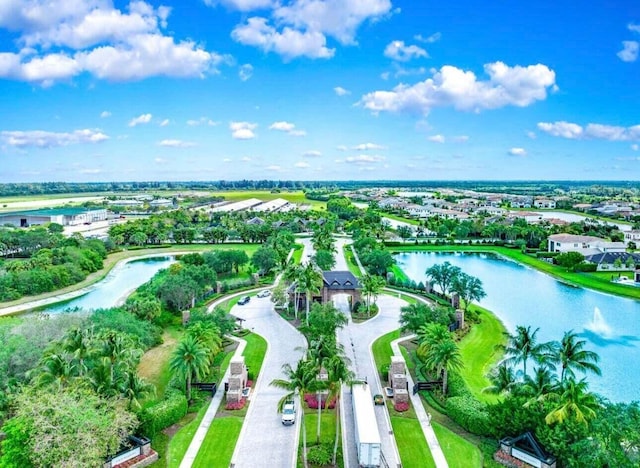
x=164, y=413
x=585, y=267
x=470, y=413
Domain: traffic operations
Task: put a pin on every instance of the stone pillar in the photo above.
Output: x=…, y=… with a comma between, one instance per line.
x=460, y=317
x=186, y=316
x=637, y=274
x=455, y=300
x=218, y=287
x=428, y=287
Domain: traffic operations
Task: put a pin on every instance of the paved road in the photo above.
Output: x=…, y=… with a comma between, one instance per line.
x=264, y=441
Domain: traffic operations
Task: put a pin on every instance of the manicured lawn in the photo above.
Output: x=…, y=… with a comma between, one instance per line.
x=459, y=452
x=217, y=448
x=607, y=275
x=479, y=353
x=179, y=443
x=577, y=279
x=154, y=365
x=254, y=353
x=297, y=255
x=411, y=221
x=351, y=263
x=327, y=426
x=398, y=273
x=381, y=348
x=413, y=448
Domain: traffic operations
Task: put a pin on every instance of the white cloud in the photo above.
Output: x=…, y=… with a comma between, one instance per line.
x=301, y=165
x=629, y=52
x=242, y=130
x=274, y=168
x=242, y=5
x=364, y=159
x=245, y=72
x=164, y=123
x=342, y=148
x=340, y=91
x=287, y=127
x=141, y=119
x=451, y=86
x=367, y=147
x=290, y=43
x=245, y=159
x=436, y=138
x=226, y=160
x=635, y=147
x=312, y=154
x=397, y=50
x=461, y=138
x=176, y=144
x=435, y=37
x=202, y=121
x=161, y=160
x=105, y=114
x=44, y=139
x=574, y=131
x=634, y=27
x=517, y=152
x=532, y=135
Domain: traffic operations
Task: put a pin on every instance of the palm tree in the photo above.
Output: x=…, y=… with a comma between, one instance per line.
x=135, y=388
x=55, y=368
x=574, y=402
x=503, y=380
x=444, y=357
x=190, y=359
x=78, y=342
x=524, y=346
x=339, y=373
x=430, y=335
x=292, y=275
x=571, y=356
x=300, y=380
x=309, y=281
x=208, y=335
x=540, y=385
x=371, y=286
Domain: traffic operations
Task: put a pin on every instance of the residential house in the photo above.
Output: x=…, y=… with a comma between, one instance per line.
x=545, y=203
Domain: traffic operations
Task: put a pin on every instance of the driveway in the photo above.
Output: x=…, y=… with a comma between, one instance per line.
x=264, y=441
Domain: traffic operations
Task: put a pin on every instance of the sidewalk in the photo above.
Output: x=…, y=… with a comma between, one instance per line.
x=423, y=417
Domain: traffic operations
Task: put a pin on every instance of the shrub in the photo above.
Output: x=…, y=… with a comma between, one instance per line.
x=320, y=455
x=401, y=407
x=164, y=413
x=235, y=405
x=470, y=413
x=312, y=402
x=585, y=267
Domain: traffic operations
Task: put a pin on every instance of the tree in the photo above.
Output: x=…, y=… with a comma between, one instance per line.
x=503, y=380
x=66, y=427
x=575, y=402
x=524, y=346
x=324, y=259
x=443, y=275
x=324, y=320
x=279, y=296
x=190, y=359
x=571, y=356
x=569, y=259
x=292, y=274
x=377, y=261
x=414, y=316
x=404, y=232
x=371, y=286
x=339, y=372
x=444, y=356
x=310, y=281
x=265, y=259
x=469, y=288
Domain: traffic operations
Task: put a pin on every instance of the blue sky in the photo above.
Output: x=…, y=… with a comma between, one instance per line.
x=95, y=90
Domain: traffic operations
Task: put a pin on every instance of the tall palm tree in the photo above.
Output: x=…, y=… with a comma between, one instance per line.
x=542, y=383
x=208, y=335
x=524, y=346
x=78, y=342
x=575, y=402
x=503, y=380
x=190, y=359
x=55, y=368
x=135, y=388
x=310, y=281
x=339, y=373
x=571, y=356
x=430, y=335
x=292, y=275
x=298, y=381
x=371, y=287
x=444, y=357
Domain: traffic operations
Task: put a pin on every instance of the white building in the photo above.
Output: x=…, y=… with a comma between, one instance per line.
x=586, y=245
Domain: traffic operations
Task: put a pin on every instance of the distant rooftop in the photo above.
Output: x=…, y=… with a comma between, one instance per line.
x=67, y=211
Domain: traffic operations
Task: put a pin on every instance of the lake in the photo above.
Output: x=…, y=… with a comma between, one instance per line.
x=520, y=295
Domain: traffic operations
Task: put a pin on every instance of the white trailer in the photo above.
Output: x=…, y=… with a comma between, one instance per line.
x=366, y=427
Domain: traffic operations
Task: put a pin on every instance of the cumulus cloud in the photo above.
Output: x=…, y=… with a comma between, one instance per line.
x=242, y=130
x=367, y=147
x=176, y=144
x=451, y=86
x=340, y=91
x=289, y=43
x=202, y=121
x=629, y=52
x=274, y=168
x=287, y=127
x=94, y=37
x=301, y=165
x=397, y=50
x=312, y=154
x=105, y=114
x=141, y=119
x=634, y=27
x=435, y=37
x=364, y=159
x=242, y=5
x=164, y=123
x=531, y=135
x=436, y=138
x=44, y=139
x=342, y=148
x=461, y=138
x=575, y=131
x=517, y=152
x=245, y=72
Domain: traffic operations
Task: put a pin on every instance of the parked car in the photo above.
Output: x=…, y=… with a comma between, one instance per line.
x=243, y=300
x=289, y=413
x=378, y=399
x=264, y=293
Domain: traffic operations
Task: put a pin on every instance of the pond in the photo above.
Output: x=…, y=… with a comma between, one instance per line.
x=520, y=295
x=117, y=285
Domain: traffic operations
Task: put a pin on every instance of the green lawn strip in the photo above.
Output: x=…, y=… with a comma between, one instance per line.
x=413, y=449
x=479, y=353
x=217, y=448
x=297, y=256
x=351, y=262
x=609, y=275
x=413, y=222
x=381, y=349
x=459, y=452
x=327, y=433
x=399, y=273
x=576, y=279
x=254, y=353
x=154, y=364
x=181, y=440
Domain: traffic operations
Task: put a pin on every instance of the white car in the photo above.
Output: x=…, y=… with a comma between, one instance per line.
x=264, y=293
x=289, y=413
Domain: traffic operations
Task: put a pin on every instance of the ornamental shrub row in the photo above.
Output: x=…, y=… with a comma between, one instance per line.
x=470, y=413
x=163, y=413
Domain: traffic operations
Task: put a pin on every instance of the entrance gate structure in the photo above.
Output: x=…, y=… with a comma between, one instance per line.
x=340, y=282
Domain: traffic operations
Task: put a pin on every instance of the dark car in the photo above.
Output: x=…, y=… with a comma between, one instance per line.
x=378, y=399
x=243, y=300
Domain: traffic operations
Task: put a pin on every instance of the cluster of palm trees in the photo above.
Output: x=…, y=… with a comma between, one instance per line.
x=371, y=286
x=307, y=280
x=323, y=369
x=554, y=376
x=194, y=355
x=438, y=351
x=105, y=361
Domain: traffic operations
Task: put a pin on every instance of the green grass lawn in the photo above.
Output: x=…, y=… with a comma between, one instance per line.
x=411, y=221
x=217, y=448
x=412, y=446
x=297, y=254
x=154, y=364
x=381, y=349
x=577, y=279
x=180, y=442
x=351, y=263
x=479, y=353
x=459, y=452
x=254, y=353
